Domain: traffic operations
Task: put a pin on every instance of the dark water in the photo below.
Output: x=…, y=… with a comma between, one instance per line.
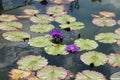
x=10, y=52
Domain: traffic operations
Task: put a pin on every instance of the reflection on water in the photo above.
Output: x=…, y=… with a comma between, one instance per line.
x=10, y=52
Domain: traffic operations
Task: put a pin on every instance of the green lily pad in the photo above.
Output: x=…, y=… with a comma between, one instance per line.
x=5, y=17
x=16, y=35
x=94, y=57
x=114, y=60
x=86, y=44
x=73, y=26
x=52, y=73
x=89, y=75
x=104, y=22
x=41, y=28
x=41, y=18
x=65, y=19
x=56, y=50
x=107, y=37
x=8, y=26
x=40, y=41
x=32, y=62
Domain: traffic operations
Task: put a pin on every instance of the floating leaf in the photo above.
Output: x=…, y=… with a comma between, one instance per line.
x=33, y=78
x=115, y=76
x=5, y=17
x=56, y=49
x=114, y=59
x=104, y=22
x=52, y=73
x=32, y=62
x=107, y=37
x=65, y=19
x=94, y=57
x=41, y=18
x=40, y=41
x=16, y=35
x=89, y=75
x=17, y=74
x=117, y=31
x=61, y=1
x=73, y=26
x=8, y=26
x=31, y=11
x=56, y=10
x=41, y=28
x=107, y=14
x=86, y=44
x=118, y=22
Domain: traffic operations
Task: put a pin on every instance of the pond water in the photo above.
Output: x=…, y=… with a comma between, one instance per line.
x=10, y=52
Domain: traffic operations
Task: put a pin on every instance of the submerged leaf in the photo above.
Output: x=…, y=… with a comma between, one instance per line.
x=41, y=18
x=107, y=14
x=8, y=26
x=16, y=35
x=107, y=37
x=89, y=75
x=52, y=73
x=114, y=59
x=5, y=17
x=40, y=41
x=94, y=57
x=86, y=44
x=65, y=19
x=104, y=22
x=31, y=11
x=73, y=26
x=41, y=28
x=17, y=74
x=61, y=1
x=56, y=49
x=115, y=76
x=32, y=62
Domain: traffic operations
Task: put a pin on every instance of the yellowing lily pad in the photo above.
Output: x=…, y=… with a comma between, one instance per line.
x=107, y=14
x=5, y=17
x=31, y=11
x=89, y=75
x=94, y=57
x=8, y=26
x=104, y=22
x=65, y=19
x=52, y=73
x=56, y=49
x=41, y=28
x=107, y=37
x=41, y=18
x=40, y=41
x=114, y=59
x=16, y=35
x=86, y=44
x=61, y=1
x=73, y=26
x=32, y=62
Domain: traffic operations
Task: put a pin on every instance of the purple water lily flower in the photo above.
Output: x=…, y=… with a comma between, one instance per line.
x=72, y=48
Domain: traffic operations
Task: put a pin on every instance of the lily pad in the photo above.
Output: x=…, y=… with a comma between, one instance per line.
x=118, y=22
x=117, y=31
x=41, y=18
x=61, y=1
x=52, y=73
x=16, y=74
x=31, y=11
x=56, y=50
x=107, y=37
x=65, y=19
x=115, y=76
x=94, y=57
x=33, y=78
x=104, y=22
x=89, y=75
x=56, y=10
x=8, y=26
x=16, y=35
x=41, y=28
x=114, y=59
x=73, y=26
x=40, y=41
x=5, y=17
x=107, y=14
x=86, y=44
x=32, y=62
